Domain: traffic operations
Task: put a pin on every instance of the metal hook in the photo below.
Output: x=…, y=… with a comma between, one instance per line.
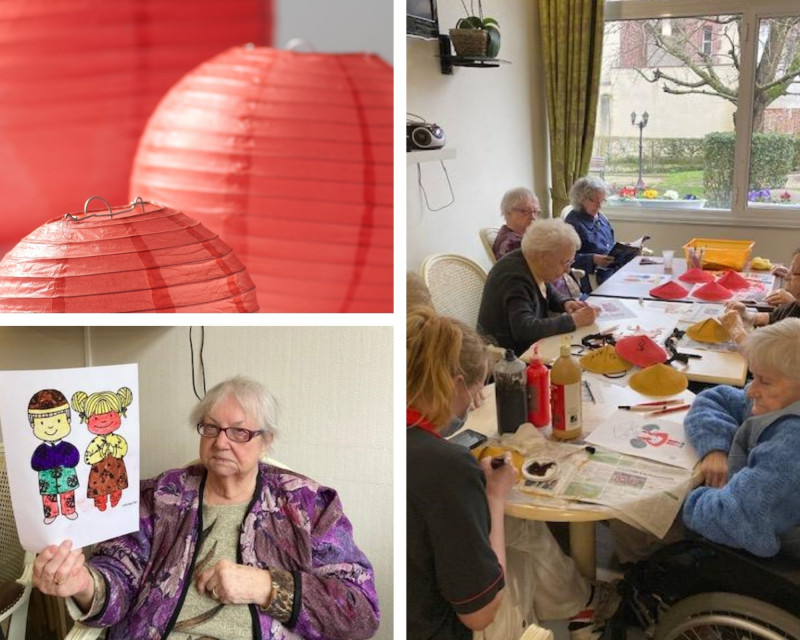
x=111, y=213
x=296, y=43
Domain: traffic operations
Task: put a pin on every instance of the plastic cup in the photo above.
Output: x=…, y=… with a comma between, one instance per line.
x=668, y=256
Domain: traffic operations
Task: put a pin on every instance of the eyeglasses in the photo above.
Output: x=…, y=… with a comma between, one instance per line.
x=528, y=212
x=234, y=434
x=568, y=263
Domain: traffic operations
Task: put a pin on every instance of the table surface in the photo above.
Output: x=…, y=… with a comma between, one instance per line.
x=716, y=367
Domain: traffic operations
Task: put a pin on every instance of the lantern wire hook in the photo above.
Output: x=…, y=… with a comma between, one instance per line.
x=296, y=43
x=111, y=213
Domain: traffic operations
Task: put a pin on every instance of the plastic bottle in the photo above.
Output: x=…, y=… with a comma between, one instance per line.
x=566, y=396
x=538, y=391
x=510, y=393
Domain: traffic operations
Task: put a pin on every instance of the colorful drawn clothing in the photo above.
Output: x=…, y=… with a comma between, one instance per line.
x=56, y=467
x=596, y=236
x=506, y=241
x=292, y=523
x=107, y=476
x=758, y=509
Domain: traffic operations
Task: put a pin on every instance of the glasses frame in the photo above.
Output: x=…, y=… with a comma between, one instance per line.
x=251, y=434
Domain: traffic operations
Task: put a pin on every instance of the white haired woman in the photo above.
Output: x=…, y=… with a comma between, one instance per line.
x=518, y=294
x=587, y=195
x=227, y=548
x=519, y=207
x=748, y=441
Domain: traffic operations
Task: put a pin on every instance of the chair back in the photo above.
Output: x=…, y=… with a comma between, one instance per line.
x=12, y=555
x=456, y=286
x=488, y=235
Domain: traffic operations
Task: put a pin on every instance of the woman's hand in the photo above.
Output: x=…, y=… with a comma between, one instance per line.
x=714, y=469
x=780, y=271
x=233, y=583
x=584, y=316
x=738, y=307
x=601, y=261
x=499, y=481
x=60, y=571
x=779, y=296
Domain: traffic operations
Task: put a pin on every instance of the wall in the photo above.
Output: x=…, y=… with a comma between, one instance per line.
x=494, y=119
x=334, y=385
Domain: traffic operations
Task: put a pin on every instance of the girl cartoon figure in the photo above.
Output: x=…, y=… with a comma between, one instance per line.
x=55, y=459
x=103, y=412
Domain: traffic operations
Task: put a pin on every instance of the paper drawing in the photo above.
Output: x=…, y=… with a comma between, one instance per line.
x=55, y=459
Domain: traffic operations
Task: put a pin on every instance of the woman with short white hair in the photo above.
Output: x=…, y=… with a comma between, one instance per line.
x=748, y=442
x=519, y=207
x=518, y=295
x=587, y=195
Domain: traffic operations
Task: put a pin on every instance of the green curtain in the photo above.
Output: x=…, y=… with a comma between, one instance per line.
x=572, y=51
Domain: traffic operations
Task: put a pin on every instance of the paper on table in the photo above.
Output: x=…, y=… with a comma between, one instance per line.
x=64, y=432
x=658, y=438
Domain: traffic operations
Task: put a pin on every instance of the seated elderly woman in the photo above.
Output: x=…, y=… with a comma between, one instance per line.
x=748, y=442
x=228, y=548
x=738, y=320
x=587, y=195
x=518, y=294
x=519, y=207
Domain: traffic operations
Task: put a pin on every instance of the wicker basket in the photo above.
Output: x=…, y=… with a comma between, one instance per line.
x=469, y=43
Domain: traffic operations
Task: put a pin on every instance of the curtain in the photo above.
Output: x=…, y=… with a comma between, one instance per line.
x=572, y=49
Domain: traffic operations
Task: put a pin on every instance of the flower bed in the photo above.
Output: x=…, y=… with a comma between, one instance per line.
x=651, y=198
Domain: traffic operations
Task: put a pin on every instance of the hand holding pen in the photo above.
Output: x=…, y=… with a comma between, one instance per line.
x=500, y=474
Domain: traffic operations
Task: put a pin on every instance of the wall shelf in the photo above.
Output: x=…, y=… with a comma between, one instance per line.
x=448, y=60
x=430, y=155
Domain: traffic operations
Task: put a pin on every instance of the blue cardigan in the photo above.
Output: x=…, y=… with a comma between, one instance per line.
x=758, y=509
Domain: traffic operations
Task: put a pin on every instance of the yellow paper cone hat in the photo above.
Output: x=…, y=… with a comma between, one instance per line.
x=659, y=380
x=604, y=360
x=709, y=330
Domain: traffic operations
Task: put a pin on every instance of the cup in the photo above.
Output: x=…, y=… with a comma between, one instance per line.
x=668, y=256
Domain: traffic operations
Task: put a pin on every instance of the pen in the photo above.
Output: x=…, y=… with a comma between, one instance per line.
x=683, y=407
x=498, y=462
x=649, y=406
x=589, y=392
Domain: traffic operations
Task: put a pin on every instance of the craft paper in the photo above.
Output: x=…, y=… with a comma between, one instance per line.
x=712, y=291
x=652, y=279
x=640, y=350
x=652, y=438
x=659, y=380
x=72, y=446
x=669, y=291
x=733, y=281
x=696, y=275
x=709, y=330
x=612, y=309
x=604, y=360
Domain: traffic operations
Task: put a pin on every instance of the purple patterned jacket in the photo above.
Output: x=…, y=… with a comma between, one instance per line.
x=292, y=523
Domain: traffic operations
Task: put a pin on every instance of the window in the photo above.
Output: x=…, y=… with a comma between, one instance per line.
x=713, y=139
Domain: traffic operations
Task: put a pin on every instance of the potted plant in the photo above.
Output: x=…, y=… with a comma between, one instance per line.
x=476, y=36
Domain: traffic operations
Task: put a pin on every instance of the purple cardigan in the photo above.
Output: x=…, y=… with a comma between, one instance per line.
x=292, y=523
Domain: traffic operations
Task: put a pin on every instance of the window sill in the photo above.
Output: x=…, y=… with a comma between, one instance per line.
x=764, y=216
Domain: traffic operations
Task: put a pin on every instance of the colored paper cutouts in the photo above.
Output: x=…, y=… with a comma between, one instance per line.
x=733, y=281
x=712, y=291
x=709, y=331
x=71, y=438
x=604, y=360
x=696, y=276
x=669, y=291
x=659, y=380
x=640, y=350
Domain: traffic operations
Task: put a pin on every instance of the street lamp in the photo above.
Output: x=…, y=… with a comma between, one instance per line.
x=641, y=124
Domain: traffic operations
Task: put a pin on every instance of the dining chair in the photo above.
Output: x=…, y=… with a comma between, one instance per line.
x=456, y=286
x=488, y=235
x=16, y=566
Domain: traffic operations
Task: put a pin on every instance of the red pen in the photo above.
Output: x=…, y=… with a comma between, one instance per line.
x=683, y=407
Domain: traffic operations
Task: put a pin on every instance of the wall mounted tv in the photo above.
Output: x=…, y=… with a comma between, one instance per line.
x=421, y=19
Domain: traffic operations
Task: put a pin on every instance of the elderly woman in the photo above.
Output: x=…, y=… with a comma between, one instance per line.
x=518, y=294
x=748, y=442
x=519, y=207
x=587, y=195
x=737, y=319
x=228, y=548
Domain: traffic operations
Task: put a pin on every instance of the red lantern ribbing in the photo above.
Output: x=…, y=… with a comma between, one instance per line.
x=288, y=156
x=139, y=258
x=80, y=78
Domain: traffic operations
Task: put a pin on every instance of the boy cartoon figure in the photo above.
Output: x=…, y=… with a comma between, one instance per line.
x=55, y=459
x=103, y=412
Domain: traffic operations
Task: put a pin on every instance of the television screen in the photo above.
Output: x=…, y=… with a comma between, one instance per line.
x=421, y=19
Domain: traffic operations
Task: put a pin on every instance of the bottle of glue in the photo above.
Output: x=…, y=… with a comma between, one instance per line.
x=565, y=395
x=538, y=385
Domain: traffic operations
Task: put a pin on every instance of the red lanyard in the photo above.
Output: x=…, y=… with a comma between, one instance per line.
x=416, y=419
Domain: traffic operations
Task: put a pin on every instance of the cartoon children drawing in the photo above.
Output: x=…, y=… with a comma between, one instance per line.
x=103, y=412
x=54, y=459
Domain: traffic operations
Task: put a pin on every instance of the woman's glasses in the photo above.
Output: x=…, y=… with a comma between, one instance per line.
x=234, y=434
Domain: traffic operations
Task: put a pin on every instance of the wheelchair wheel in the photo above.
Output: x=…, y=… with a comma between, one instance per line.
x=726, y=616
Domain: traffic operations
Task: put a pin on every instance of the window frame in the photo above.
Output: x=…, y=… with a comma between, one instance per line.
x=751, y=12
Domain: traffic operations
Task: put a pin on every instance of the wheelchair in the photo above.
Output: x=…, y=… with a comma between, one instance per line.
x=699, y=590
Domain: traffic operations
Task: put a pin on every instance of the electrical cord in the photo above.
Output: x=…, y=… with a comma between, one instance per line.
x=424, y=193
x=202, y=367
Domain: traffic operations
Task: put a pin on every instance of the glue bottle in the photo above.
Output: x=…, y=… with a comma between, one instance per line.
x=538, y=391
x=510, y=393
x=565, y=395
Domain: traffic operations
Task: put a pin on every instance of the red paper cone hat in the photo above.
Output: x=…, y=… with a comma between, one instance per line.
x=669, y=291
x=640, y=350
x=732, y=280
x=138, y=258
x=712, y=291
x=288, y=156
x=694, y=276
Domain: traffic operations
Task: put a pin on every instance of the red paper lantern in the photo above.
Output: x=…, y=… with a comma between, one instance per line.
x=79, y=80
x=288, y=156
x=143, y=257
